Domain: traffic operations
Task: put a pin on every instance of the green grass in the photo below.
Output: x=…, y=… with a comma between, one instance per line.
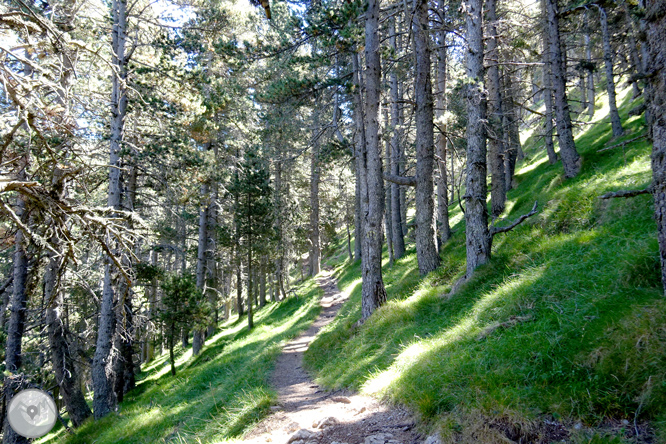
x=566, y=322
x=214, y=397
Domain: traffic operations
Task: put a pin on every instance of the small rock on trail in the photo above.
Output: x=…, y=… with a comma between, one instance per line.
x=309, y=415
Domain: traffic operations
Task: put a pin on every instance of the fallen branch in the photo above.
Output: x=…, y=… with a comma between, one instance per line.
x=626, y=193
x=622, y=143
x=496, y=230
x=401, y=180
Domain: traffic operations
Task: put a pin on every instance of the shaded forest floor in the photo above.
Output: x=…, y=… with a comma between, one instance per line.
x=562, y=336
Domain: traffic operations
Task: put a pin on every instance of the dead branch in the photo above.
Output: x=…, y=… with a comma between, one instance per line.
x=622, y=143
x=626, y=193
x=496, y=230
x=401, y=180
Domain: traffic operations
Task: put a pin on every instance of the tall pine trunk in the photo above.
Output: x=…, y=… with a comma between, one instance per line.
x=656, y=40
x=548, y=100
x=427, y=253
x=443, y=226
x=396, y=155
x=314, y=258
x=373, y=292
x=616, y=123
x=104, y=400
x=570, y=158
x=496, y=154
x=476, y=211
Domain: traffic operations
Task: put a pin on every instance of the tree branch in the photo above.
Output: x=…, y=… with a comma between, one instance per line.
x=401, y=180
x=627, y=193
x=515, y=223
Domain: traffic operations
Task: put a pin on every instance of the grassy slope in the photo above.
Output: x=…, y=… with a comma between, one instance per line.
x=216, y=396
x=566, y=322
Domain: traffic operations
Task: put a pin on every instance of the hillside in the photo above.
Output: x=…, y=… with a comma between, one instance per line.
x=561, y=335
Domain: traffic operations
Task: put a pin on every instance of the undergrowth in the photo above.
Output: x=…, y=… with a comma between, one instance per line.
x=566, y=324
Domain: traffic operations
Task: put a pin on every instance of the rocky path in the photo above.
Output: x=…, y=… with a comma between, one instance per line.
x=307, y=414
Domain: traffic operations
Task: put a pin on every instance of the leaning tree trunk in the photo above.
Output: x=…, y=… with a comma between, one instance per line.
x=396, y=156
x=476, y=211
x=616, y=123
x=496, y=149
x=656, y=40
x=102, y=371
x=373, y=292
x=570, y=158
x=427, y=254
x=443, y=225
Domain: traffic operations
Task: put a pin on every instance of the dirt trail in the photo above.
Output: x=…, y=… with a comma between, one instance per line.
x=307, y=414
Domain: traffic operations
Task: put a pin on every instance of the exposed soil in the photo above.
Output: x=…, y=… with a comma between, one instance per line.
x=308, y=414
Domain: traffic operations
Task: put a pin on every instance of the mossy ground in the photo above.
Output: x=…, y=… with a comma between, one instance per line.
x=215, y=396
x=567, y=322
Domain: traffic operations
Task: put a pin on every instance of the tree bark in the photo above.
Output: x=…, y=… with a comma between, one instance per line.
x=427, y=253
x=476, y=212
x=104, y=399
x=513, y=150
x=202, y=247
x=548, y=100
x=656, y=40
x=590, y=70
x=496, y=149
x=443, y=226
x=373, y=292
x=570, y=158
x=388, y=221
x=315, y=175
x=396, y=155
x=616, y=123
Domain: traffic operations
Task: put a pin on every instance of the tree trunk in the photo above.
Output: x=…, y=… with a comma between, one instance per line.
x=496, y=153
x=388, y=222
x=427, y=254
x=443, y=226
x=548, y=100
x=315, y=175
x=616, y=124
x=250, y=300
x=590, y=70
x=358, y=224
x=656, y=40
x=102, y=372
x=570, y=158
x=513, y=150
x=202, y=247
x=262, y=285
x=373, y=294
x=64, y=363
x=12, y=385
x=476, y=212
x=212, y=289
x=396, y=155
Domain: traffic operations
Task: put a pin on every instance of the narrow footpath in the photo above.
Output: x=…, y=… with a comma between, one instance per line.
x=308, y=414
